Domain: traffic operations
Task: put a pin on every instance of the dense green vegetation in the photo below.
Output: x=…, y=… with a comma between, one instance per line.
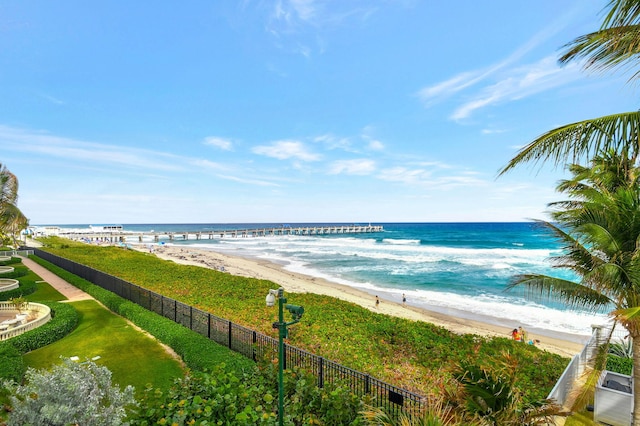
x=406, y=353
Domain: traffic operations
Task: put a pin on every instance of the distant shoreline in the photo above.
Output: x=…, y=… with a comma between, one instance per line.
x=294, y=282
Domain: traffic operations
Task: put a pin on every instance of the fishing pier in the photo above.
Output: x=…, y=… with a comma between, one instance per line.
x=141, y=236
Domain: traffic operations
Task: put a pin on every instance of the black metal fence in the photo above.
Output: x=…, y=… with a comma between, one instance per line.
x=245, y=341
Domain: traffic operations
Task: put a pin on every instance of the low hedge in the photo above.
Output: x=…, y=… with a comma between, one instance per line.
x=27, y=285
x=64, y=319
x=619, y=364
x=198, y=352
x=11, y=262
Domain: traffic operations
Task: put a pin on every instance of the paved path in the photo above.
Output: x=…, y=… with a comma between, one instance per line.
x=69, y=291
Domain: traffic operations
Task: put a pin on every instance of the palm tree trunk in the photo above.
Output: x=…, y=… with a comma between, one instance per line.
x=636, y=379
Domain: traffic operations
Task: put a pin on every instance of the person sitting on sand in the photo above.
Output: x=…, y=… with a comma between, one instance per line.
x=515, y=335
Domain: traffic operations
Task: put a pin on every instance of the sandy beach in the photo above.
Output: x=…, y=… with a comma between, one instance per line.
x=299, y=283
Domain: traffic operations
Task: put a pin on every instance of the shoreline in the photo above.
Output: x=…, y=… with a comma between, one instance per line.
x=294, y=282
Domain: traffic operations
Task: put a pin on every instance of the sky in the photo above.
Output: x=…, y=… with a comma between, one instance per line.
x=290, y=111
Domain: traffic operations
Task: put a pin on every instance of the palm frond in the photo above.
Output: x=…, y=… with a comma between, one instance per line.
x=621, y=13
x=575, y=142
x=605, y=49
x=551, y=288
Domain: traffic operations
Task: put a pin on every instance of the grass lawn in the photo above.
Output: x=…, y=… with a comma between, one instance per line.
x=580, y=419
x=133, y=357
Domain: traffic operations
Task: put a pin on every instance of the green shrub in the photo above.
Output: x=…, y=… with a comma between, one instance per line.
x=619, y=364
x=71, y=393
x=222, y=397
x=12, y=365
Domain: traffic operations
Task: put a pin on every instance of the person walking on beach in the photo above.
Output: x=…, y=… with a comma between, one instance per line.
x=377, y=301
x=404, y=299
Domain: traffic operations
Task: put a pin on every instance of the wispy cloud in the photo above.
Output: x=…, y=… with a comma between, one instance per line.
x=52, y=99
x=248, y=181
x=332, y=142
x=299, y=25
x=40, y=143
x=429, y=178
x=519, y=83
x=360, y=167
x=224, y=144
x=287, y=149
x=504, y=82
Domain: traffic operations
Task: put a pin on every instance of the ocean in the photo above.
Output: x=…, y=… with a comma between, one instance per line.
x=459, y=269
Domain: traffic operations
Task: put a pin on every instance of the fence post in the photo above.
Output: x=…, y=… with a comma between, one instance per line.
x=229, y=345
x=597, y=330
x=208, y=325
x=255, y=340
x=321, y=372
x=190, y=317
x=367, y=384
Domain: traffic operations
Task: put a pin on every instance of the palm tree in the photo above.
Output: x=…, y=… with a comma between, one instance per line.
x=599, y=228
x=8, y=187
x=600, y=225
x=12, y=220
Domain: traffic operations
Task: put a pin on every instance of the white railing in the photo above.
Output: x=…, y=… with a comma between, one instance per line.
x=43, y=313
x=578, y=364
x=7, y=284
x=16, y=253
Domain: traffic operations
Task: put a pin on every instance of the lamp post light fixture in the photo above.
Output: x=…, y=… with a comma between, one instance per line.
x=281, y=325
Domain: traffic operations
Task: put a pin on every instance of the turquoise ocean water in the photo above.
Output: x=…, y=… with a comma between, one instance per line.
x=458, y=269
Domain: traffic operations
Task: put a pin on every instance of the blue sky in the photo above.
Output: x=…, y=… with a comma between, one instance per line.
x=289, y=111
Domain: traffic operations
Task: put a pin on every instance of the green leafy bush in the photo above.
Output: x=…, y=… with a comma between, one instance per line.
x=12, y=365
x=619, y=364
x=222, y=397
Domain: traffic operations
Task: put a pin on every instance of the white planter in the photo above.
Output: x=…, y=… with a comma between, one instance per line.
x=613, y=402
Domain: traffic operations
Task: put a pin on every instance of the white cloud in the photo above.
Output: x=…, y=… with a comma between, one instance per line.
x=249, y=181
x=519, y=83
x=550, y=76
x=353, y=167
x=376, y=145
x=286, y=149
x=224, y=144
x=332, y=142
x=40, y=143
x=425, y=177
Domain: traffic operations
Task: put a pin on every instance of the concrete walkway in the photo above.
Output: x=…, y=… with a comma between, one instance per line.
x=69, y=291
